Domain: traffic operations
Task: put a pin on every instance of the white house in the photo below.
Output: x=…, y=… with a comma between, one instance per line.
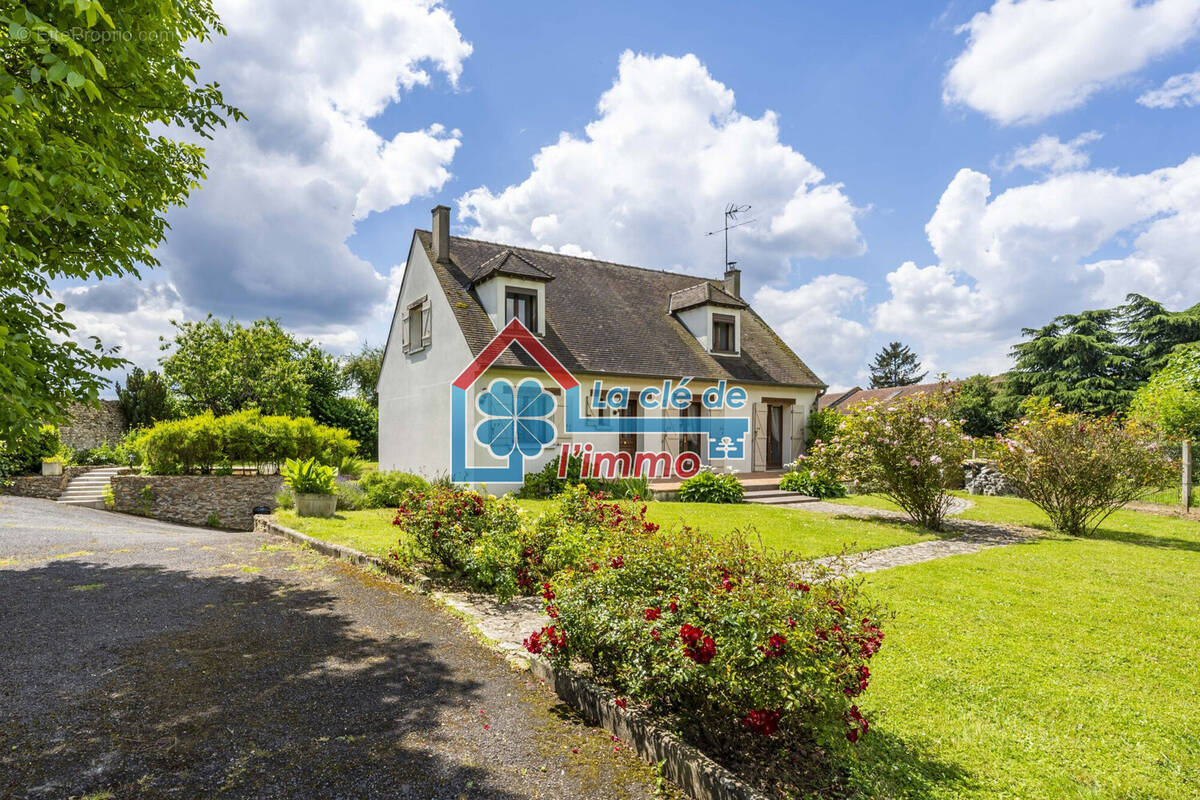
x=619, y=324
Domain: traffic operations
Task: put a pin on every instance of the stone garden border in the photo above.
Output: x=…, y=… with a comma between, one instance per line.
x=685, y=766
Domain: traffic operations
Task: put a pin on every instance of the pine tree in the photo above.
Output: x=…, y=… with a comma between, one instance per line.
x=895, y=365
x=1154, y=332
x=1077, y=360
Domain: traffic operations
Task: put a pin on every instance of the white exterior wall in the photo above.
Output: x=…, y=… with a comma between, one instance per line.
x=414, y=390
x=698, y=320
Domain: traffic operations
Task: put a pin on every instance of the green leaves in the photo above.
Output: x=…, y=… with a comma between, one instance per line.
x=85, y=184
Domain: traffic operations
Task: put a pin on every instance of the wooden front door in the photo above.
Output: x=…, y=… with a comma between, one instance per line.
x=774, y=436
x=629, y=439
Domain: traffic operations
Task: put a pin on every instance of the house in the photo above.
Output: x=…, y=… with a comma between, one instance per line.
x=844, y=401
x=603, y=322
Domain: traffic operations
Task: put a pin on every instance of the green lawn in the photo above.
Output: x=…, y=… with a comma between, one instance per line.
x=807, y=533
x=1064, y=668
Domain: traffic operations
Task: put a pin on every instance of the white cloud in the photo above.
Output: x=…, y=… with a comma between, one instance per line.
x=1050, y=154
x=654, y=171
x=1072, y=241
x=267, y=233
x=1178, y=90
x=1027, y=60
x=814, y=319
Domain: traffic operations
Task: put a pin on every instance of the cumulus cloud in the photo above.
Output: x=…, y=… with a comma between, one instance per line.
x=1178, y=90
x=654, y=171
x=816, y=321
x=1027, y=60
x=1033, y=252
x=1051, y=154
x=266, y=235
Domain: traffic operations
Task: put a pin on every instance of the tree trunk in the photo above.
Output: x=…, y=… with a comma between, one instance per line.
x=1186, y=495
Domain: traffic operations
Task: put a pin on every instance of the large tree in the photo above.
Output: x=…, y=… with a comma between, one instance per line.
x=895, y=365
x=1170, y=400
x=144, y=399
x=1078, y=361
x=1154, y=332
x=225, y=367
x=93, y=100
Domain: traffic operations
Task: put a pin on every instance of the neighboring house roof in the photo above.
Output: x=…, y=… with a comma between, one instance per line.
x=611, y=318
x=507, y=262
x=832, y=400
x=705, y=293
x=844, y=401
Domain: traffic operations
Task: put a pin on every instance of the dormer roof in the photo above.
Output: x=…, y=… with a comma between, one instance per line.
x=507, y=262
x=706, y=293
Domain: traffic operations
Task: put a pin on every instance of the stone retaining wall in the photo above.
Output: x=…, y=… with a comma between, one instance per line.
x=91, y=427
x=218, y=501
x=46, y=487
x=981, y=477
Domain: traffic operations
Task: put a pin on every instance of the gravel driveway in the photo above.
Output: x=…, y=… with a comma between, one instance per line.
x=142, y=659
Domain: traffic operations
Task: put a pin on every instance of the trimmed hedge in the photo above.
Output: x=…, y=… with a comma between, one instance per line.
x=204, y=443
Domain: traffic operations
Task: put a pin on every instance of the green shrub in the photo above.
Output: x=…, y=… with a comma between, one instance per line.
x=351, y=467
x=309, y=476
x=385, y=489
x=349, y=496
x=910, y=450
x=729, y=639
x=812, y=482
x=285, y=499
x=446, y=523
x=200, y=443
x=25, y=456
x=707, y=486
x=545, y=483
x=103, y=455
x=823, y=425
x=353, y=414
x=1079, y=469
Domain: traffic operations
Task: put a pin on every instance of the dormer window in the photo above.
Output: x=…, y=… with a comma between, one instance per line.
x=521, y=304
x=724, y=334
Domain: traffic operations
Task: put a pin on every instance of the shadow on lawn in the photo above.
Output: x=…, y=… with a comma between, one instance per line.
x=148, y=682
x=1145, y=540
x=884, y=765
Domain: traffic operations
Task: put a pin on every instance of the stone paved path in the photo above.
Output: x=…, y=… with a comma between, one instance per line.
x=973, y=537
x=148, y=660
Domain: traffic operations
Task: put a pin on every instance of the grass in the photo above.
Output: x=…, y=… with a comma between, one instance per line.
x=807, y=533
x=804, y=532
x=1064, y=668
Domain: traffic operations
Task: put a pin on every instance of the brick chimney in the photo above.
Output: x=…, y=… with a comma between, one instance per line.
x=733, y=281
x=441, y=234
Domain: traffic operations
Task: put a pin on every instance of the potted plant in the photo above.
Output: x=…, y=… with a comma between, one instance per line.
x=52, y=465
x=312, y=484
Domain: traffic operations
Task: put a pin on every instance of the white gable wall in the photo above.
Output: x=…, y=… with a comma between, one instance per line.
x=414, y=390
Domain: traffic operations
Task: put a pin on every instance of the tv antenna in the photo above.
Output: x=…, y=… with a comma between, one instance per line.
x=731, y=221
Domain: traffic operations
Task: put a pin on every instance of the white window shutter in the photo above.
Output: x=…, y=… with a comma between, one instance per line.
x=426, y=323
x=758, y=459
x=404, y=343
x=798, y=432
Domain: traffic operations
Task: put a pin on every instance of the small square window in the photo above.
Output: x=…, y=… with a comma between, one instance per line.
x=521, y=304
x=724, y=336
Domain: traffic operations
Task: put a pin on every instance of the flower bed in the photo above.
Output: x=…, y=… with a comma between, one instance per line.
x=755, y=656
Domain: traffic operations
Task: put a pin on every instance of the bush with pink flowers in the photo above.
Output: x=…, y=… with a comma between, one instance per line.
x=910, y=450
x=728, y=639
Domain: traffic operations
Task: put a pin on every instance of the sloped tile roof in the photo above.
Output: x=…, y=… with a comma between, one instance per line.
x=845, y=401
x=701, y=294
x=603, y=317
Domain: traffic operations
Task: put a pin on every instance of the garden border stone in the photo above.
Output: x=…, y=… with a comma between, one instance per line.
x=687, y=767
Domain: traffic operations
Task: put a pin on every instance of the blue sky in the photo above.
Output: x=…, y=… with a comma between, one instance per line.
x=848, y=128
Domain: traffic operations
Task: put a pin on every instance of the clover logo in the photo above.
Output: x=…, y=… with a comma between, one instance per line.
x=516, y=417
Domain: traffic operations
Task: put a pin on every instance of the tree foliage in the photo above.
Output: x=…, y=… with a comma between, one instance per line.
x=225, y=367
x=1093, y=362
x=361, y=371
x=1170, y=401
x=144, y=399
x=895, y=365
x=91, y=99
x=974, y=403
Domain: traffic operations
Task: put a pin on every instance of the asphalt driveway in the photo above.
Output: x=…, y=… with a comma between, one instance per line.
x=142, y=659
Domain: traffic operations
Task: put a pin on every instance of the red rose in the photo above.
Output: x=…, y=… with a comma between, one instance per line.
x=617, y=562
x=762, y=721
x=652, y=613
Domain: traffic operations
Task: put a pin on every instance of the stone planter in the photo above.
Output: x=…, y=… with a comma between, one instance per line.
x=316, y=505
x=52, y=468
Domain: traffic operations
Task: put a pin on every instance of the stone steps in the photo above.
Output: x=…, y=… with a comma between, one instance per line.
x=88, y=489
x=772, y=497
